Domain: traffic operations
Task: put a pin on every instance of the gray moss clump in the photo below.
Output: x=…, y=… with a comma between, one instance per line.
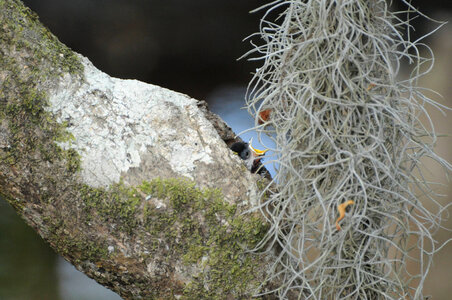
x=346, y=128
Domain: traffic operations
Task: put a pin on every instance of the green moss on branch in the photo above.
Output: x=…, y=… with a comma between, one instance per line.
x=178, y=222
x=198, y=227
x=31, y=60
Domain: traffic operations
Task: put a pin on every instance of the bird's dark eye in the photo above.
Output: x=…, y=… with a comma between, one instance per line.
x=245, y=154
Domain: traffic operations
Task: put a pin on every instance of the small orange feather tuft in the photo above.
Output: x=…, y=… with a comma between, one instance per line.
x=264, y=116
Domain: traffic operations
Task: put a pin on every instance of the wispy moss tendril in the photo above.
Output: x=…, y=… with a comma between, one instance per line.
x=347, y=128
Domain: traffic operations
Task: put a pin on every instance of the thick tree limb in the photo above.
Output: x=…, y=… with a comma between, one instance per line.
x=130, y=182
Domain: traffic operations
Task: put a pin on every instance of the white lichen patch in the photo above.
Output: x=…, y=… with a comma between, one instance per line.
x=114, y=122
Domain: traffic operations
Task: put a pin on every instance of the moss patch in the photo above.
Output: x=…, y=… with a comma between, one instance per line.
x=69, y=245
x=187, y=226
x=207, y=232
x=185, y=223
x=31, y=58
x=117, y=205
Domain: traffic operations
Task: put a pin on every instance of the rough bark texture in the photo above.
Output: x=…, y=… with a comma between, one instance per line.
x=132, y=183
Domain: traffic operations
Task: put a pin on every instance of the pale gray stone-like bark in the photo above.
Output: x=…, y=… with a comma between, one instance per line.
x=134, y=131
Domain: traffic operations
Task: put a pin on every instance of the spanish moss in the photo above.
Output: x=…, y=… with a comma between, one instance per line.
x=349, y=141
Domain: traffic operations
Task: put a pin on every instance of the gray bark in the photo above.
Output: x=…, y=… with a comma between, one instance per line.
x=130, y=182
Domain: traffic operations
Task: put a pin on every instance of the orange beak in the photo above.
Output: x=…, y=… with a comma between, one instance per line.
x=257, y=152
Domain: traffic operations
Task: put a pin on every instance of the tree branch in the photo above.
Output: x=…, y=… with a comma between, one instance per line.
x=130, y=182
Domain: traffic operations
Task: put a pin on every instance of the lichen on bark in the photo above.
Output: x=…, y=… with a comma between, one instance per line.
x=160, y=239
x=30, y=58
x=172, y=218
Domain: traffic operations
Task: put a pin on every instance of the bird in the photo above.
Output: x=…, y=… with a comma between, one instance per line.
x=251, y=156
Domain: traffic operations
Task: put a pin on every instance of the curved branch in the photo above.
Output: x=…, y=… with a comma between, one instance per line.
x=130, y=182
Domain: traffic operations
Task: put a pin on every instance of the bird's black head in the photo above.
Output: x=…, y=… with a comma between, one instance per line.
x=242, y=149
x=251, y=156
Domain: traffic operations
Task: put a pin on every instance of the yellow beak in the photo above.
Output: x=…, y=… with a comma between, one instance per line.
x=257, y=151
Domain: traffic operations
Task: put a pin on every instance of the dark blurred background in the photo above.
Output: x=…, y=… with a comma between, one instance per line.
x=190, y=47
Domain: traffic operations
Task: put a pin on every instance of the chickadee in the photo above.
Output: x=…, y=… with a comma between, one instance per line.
x=250, y=155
